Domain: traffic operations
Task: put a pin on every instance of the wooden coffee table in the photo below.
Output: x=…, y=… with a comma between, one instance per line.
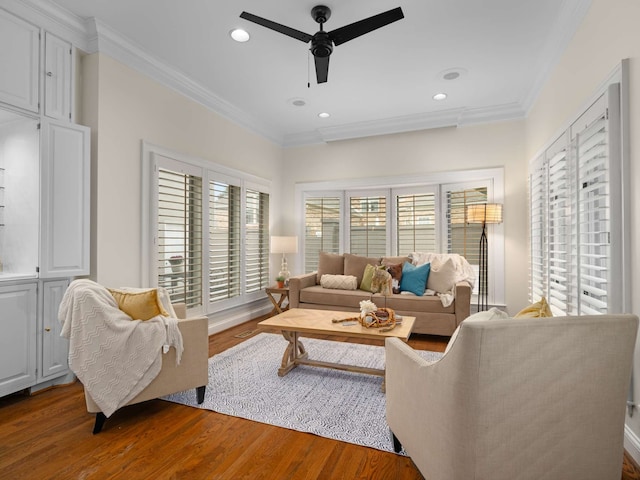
x=298, y=321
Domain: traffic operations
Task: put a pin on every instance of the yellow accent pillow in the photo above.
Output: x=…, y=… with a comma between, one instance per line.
x=367, y=277
x=535, y=310
x=139, y=305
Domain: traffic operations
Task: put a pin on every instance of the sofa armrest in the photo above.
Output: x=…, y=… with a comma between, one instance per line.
x=296, y=284
x=462, y=301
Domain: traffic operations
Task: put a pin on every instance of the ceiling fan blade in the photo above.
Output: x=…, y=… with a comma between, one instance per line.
x=356, y=29
x=322, y=69
x=291, y=32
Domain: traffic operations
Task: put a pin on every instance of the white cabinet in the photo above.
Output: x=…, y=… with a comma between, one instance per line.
x=18, y=338
x=19, y=62
x=65, y=200
x=57, y=77
x=53, y=348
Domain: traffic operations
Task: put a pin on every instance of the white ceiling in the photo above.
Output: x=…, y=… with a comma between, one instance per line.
x=382, y=82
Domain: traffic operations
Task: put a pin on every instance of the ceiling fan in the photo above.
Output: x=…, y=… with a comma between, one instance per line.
x=322, y=42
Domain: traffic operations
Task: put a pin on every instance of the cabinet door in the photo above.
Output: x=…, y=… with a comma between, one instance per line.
x=18, y=338
x=65, y=200
x=19, y=59
x=55, y=349
x=57, y=79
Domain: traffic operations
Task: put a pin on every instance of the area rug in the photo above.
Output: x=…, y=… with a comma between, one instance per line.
x=345, y=406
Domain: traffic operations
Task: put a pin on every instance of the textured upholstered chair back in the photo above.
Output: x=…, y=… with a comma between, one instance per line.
x=517, y=399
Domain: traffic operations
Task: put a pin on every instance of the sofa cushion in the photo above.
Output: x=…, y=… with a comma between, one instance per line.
x=414, y=279
x=333, y=297
x=388, y=261
x=413, y=303
x=330, y=263
x=355, y=265
x=339, y=282
x=442, y=277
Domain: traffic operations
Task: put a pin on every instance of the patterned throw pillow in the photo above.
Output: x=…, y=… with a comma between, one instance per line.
x=396, y=276
x=339, y=282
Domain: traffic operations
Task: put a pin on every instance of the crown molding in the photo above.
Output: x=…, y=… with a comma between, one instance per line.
x=457, y=117
x=107, y=41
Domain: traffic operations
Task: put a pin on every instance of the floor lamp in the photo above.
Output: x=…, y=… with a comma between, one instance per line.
x=484, y=213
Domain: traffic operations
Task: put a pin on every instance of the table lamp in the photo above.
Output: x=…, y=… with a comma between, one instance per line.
x=284, y=245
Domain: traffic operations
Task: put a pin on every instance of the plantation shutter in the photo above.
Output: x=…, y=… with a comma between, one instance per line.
x=537, y=228
x=582, y=214
x=591, y=145
x=368, y=225
x=561, y=254
x=415, y=223
x=322, y=229
x=179, y=236
x=464, y=238
x=256, y=241
x=224, y=240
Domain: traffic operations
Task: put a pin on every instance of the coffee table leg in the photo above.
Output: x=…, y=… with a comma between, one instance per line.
x=294, y=351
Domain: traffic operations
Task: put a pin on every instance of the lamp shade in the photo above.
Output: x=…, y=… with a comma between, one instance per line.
x=484, y=213
x=284, y=244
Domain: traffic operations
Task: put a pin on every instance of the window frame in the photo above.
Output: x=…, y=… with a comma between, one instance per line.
x=415, y=184
x=210, y=171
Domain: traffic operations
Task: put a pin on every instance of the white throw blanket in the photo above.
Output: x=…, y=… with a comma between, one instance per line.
x=114, y=356
x=464, y=271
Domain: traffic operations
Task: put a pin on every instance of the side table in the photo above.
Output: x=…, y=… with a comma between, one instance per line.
x=278, y=306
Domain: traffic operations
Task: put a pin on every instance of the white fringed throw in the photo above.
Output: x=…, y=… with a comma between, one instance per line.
x=114, y=356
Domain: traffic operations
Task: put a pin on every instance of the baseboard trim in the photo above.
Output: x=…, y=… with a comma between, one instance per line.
x=230, y=318
x=632, y=444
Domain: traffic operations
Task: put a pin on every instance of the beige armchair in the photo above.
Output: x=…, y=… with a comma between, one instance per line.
x=516, y=399
x=191, y=373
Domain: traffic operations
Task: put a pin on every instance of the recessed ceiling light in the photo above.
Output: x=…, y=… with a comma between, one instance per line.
x=239, y=35
x=452, y=74
x=324, y=115
x=297, y=102
x=440, y=96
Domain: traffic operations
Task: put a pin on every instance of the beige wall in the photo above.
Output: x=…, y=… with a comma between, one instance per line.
x=130, y=108
x=430, y=151
x=609, y=34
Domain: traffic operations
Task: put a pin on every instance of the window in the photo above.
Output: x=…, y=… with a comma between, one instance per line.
x=207, y=240
x=576, y=215
x=416, y=223
x=257, y=241
x=322, y=228
x=368, y=225
x=180, y=236
x=224, y=240
x=417, y=214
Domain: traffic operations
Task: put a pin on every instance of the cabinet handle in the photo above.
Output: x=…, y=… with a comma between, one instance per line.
x=47, y=329
x=49, y=74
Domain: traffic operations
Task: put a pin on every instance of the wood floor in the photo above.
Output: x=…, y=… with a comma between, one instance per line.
x=48, y=436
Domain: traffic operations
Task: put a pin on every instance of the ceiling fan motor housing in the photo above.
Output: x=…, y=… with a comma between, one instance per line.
x=321, y=13
x=321, y=44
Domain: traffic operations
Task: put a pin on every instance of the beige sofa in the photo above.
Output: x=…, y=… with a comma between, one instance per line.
x=305, y=291
x=524, y=398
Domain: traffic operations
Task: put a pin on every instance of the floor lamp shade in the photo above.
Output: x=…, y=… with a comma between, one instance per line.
x=483, y=213
x=284, y=245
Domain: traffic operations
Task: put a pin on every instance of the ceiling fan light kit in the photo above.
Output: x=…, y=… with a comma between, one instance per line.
x=322, y=42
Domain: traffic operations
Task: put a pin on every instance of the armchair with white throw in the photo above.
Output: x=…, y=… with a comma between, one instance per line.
x=121, y=360
x=516, y=399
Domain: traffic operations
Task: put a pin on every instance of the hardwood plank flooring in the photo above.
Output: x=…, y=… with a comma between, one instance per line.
x=48, y=436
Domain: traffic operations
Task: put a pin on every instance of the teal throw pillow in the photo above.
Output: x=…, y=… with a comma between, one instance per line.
x=414, y=279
